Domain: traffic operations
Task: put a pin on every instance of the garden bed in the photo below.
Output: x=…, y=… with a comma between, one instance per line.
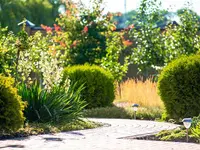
x=176, y=135
x=49, y=128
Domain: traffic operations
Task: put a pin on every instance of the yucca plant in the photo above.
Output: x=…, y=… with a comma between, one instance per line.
x=57, y=105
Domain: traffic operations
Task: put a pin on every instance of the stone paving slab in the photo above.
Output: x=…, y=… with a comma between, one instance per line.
x=109, y=137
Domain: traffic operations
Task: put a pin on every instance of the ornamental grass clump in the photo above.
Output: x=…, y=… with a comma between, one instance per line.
x=56, y=105
x=138, y=91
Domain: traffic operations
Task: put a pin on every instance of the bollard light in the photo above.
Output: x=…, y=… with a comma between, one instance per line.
x=187, y=123
x=135, y=108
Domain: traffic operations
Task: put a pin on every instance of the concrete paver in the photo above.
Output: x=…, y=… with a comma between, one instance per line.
x=110, y=137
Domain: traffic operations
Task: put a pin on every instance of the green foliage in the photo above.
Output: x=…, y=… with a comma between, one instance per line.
x=123, y=20
x=46, y=128
x=107, y=112
x=91, y=38
x=11, y=106
x=54, y=106
x=7, y=52
x=38, y=11
x=148, y=49
x=178, y=87
x=99, y=84
x=124, y=113
x=195, y=128
x=39, y=58
x=195, y=121
x=114, y=51
x=183, y=38
x=195, y=131
x=86, y=33
x=178, y=135
x=156, y=46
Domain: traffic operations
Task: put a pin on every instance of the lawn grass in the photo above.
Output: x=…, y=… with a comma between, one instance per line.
x=45, y=128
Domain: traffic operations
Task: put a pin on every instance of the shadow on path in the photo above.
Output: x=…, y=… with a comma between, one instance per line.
x=13, y=146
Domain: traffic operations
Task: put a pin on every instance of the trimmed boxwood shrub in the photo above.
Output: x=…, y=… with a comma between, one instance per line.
x=98, y=83
x=11, y=106
x=179, y=87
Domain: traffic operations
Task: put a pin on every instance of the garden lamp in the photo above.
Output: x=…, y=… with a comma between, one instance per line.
x=135, y=108
x=187, y=123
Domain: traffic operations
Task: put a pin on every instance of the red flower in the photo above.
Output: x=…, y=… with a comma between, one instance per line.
x=74, y=44
x=48, y=29
x=85, y=29
x=131, y=26
x=127, y=42
x=57, y=28
x=43, y=26
x=62, y=44
x=68, y=12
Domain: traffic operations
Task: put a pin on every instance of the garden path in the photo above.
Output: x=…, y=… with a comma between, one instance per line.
x=112, y=136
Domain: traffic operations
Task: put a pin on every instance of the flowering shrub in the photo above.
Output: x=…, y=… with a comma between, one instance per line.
x=90, y=38
x=7, y=52
x=40, y=60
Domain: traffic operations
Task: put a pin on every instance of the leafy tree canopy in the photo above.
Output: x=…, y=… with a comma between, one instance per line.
x=38, y=11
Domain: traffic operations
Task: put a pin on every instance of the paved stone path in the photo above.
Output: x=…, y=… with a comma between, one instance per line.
x=110, y=137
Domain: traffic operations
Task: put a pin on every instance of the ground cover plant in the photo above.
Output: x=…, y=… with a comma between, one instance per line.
x=124, y=113
x=35, y=128
x=179, y=134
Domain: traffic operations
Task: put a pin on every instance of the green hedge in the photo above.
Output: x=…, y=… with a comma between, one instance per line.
x=99, y=89
x=11, y=106
x=179, y=87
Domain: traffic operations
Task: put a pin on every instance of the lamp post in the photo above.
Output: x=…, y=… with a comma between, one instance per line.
x=187, y=123
x=135, y=108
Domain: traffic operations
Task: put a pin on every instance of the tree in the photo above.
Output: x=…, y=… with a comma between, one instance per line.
x=11, y=13
x=155, y=47
x=38, y=11
x=91, y=38
x=148, y=49
x=183, y=38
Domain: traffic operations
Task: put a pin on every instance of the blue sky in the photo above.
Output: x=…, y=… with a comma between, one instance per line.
x=118, y=5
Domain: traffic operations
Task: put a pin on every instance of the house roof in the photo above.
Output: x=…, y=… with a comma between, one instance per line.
x=27, y=22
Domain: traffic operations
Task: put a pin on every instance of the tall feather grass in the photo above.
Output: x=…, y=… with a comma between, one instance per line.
x=138, y=91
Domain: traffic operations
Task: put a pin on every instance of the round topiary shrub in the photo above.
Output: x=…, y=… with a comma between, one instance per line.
x=11, y=106
x=98, y=83
x=179, y=87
